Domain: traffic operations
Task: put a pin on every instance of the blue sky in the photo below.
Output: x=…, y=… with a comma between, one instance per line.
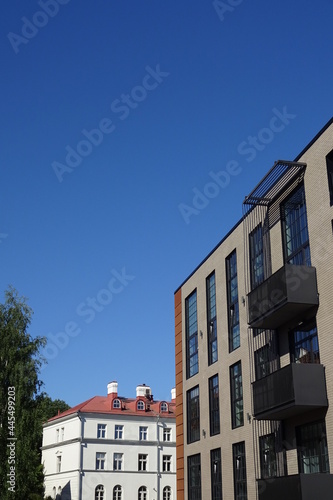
x=116, y=118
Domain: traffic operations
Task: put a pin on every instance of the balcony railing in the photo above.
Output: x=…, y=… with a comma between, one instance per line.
x=297, y=487
x=285, y=295
x=292, y=390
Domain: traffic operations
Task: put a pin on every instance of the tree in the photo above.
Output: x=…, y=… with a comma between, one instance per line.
x=20, y=425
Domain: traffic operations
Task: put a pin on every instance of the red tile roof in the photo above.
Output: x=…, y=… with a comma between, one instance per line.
x=104, y=404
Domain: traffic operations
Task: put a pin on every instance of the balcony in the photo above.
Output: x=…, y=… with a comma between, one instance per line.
x=297, y=487
x=292, y=390
x=285, y=295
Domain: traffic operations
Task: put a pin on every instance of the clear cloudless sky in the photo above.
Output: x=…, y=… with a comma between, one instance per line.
x=224, y=74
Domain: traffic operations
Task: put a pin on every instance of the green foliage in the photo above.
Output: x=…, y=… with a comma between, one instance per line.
x=20, y=362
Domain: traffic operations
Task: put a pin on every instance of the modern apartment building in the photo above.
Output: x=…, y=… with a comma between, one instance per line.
x=112, y=448
x=254, y=345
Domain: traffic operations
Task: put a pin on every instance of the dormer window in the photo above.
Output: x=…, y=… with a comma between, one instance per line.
x=140, y=405
x=116, y=403
x=164, y=406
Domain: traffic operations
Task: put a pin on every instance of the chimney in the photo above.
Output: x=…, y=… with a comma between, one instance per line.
x=113, y=388
x=143, y=390
x=173, y=394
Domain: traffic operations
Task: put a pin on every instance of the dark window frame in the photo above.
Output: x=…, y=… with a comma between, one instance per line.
x=239, y=470
x=236, y=395
x=216, y=474
x=232, y=301
x=192, y=355
x=214, y=405
x=194, y=477
x=256, y=247
x=308, y=343
x=211, y=318
x=193, y=415
x=268, y=458
x=295, y=234
x=311, y=439
x=329, y=166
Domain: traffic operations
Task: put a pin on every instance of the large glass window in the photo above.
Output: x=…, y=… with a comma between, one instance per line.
x=193, y=415
x=262, y=362
x=239, y=466
x=192, y=360
x=236, y=389
x=295, y=225
x=214, y=405
x=312, y=448
x=304, y=347
x=233, y=306
x=211, y=319
x=216, y=474
x=143, y=433
x=256, y=257
x=267, y=456
x=194, y=477
x=166, y=463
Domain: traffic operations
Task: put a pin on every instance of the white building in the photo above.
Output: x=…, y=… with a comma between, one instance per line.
x=112, y=448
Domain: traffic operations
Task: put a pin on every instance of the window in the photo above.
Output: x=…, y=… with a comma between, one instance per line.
x=295, y=229
x=117, y=461
x=142, y=465
x=211, y=319
x=262, y=362
x=143, y=433
x=194, y=477
x=117, y=492
x=140, y=405
x=116, y=403
x=166, y=434
x=256, y=257
x=101, y=430
x=59, y=463
x=142, y=493
x=166, y=463
x=100, y=461
x=304, y=347
x=329, y=164
x=118, y=431
x=312, y=448
x=167, y=493
x=164, y=406
x=99, y=492
x=236, y=387
x=62, y=433
x=268, y=463
x=232, y=297
x=239, y=465
x=57, y=435
x=214, y=405
x=192, y=360
x=193, y=415
x=216, y=474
